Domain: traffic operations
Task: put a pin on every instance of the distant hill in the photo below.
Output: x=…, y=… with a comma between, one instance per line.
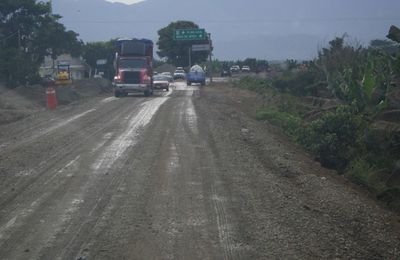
x=256, y=28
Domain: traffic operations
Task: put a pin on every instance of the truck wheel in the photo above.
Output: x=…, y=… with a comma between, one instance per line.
x=147, y=93
x=116, y=93
x=203, y=83
x=189, y=83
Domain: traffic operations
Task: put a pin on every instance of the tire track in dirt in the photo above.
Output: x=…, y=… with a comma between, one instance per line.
x=46, y=182
x=218, y=200
x=87, y=131
x=103, y=205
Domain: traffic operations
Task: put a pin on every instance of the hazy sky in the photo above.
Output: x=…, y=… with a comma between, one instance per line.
x=271, y=29
x=126, y=1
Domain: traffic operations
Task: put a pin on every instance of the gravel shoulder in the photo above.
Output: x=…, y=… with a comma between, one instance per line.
x=288, y=206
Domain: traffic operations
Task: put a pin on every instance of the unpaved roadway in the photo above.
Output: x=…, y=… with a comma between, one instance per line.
x=187, y=174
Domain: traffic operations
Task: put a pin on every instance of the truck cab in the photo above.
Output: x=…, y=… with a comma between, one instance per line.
x=133, y=66
x=196, y=74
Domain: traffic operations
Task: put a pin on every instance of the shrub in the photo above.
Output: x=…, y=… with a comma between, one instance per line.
x=299, y=83
x=361, y=171
x=253, y=84
x=391, y=197
x=291, y=124
x=333, y=137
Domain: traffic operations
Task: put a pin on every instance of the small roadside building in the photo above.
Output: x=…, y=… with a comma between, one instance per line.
x=78, y=67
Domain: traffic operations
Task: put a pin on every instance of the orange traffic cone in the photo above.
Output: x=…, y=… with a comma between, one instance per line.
x=51, y=98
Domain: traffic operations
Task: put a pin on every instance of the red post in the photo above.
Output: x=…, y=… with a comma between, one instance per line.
x=51, y=98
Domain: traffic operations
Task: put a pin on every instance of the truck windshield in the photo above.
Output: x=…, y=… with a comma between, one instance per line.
x=132, y=63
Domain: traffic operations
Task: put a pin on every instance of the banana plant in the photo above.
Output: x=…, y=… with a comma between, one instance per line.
x=369, y=81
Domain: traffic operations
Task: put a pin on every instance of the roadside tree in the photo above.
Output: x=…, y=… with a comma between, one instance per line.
x=28, y=33
x=177, y=52
x=94, y=51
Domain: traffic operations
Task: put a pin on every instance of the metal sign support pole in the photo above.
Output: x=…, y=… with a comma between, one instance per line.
x=210, y=66
x=190, y=57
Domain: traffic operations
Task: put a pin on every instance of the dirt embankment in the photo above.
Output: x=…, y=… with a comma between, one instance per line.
x=24, y=101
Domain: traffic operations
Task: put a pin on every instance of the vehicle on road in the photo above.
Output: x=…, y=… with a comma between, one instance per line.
x=168, y=76
x=225, y=73
x=196, y=75
x=246, y=69
x=162, y=82
x=166, y=73
x=179, y=74
x=133, y=66
x=235, y=69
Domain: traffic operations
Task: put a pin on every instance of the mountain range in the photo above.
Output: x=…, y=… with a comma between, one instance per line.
x=264, y=29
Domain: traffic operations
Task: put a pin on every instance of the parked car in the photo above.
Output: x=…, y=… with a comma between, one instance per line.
x=246, y=69
x=235, y=69
x=166, y=73
x=179, y=74
x=161, y=82
x=225, y=73
x=196, y=75
x=170, y=78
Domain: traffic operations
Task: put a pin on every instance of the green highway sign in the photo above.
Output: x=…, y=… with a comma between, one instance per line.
x=189, y=34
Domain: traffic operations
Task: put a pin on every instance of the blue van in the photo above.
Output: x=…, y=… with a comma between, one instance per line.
x=196, y=75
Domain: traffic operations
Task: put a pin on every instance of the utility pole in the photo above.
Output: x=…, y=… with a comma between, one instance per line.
x=52, y=59
x=210, y=65
x=190, y=57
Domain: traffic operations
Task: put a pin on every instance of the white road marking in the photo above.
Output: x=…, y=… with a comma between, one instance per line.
x=181, y=86
x=128, y=138
x=73, y=207
x=191, y=117
x=109, y=99
x=66, y=122
x=169, y=92
x=173, y=162
x=171, y=168
x=52, y=127
x=104, y=140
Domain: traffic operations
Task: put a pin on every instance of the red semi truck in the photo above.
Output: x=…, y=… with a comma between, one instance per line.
x=133, y=67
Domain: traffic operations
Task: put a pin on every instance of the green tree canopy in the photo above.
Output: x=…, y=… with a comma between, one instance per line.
x=29, y=32
x=177, y=52
x=94, y=51
x=394, y=34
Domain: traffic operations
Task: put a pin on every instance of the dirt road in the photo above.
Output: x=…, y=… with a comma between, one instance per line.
x=182, y=175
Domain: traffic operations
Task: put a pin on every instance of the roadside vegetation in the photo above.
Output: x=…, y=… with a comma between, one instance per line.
x=29, y=32
x=344, y=108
